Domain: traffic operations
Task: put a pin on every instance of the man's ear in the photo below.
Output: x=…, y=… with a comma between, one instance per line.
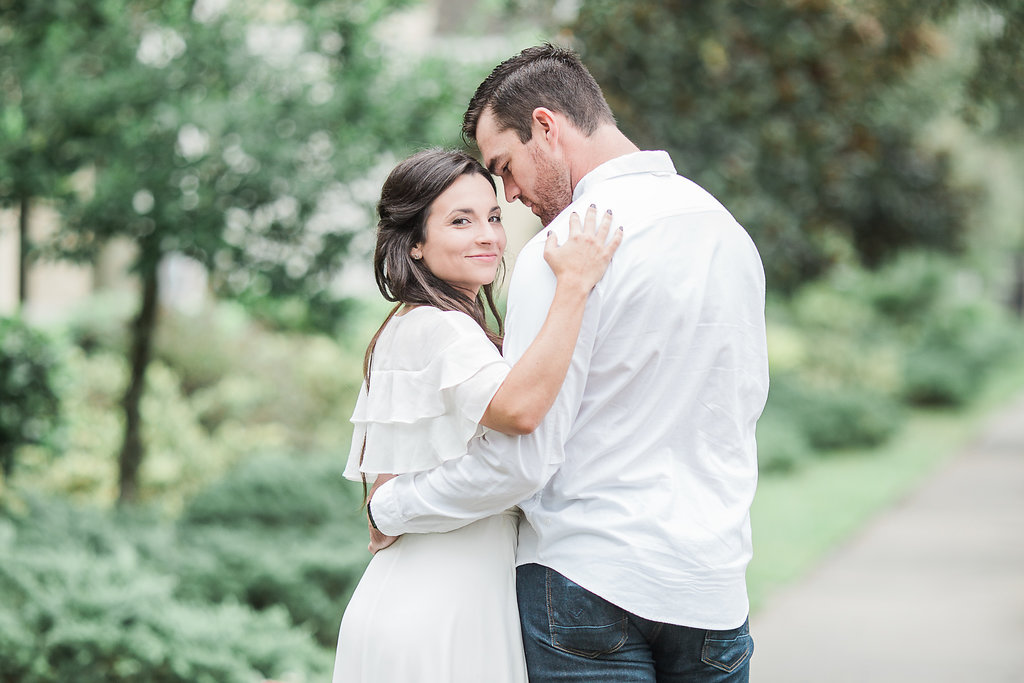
x=546, y=125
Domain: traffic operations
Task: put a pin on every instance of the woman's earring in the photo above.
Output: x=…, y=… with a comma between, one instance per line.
x=416, y=256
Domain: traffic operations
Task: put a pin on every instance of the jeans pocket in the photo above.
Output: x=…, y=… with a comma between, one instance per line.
x=582, y=623
x=728, y=650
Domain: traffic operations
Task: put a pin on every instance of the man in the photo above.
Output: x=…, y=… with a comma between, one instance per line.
x=636, y=487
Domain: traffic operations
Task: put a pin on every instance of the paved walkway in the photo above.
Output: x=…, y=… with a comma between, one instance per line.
x=933, y=590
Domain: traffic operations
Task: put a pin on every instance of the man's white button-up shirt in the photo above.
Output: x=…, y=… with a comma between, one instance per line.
x=638, y=483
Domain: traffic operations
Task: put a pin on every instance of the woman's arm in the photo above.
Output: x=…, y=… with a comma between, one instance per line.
x=531, y=386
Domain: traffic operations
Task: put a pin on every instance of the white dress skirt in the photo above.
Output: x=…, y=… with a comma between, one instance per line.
x=437, y=608
x=431, y=608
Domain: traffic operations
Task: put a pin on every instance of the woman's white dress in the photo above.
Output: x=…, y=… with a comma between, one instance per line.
x=432, y=608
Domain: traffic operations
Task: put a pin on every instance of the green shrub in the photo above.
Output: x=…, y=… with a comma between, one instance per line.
x=309, y=573
x=87, y=468
x=852, y=348
x=275, y=531
x=957, y=347
x=831, y=305
x=30, y=409
x=181, y=455
x=836, y=417
x=290, y=390
x=843, y=341
x=102, y=322
x=204, y=347
x=220, y=389
x=82, y=617
x=83, y=601
x=849, y=418
x=938, y=377
x=276, y=491
x=781, y=445
x=909, y=287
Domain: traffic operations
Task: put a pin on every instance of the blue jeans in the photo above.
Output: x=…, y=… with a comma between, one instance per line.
x=570, y=634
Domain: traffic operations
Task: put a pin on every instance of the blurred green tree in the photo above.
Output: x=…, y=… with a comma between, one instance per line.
x=30, y=409
x=37, y=125
x=233, y=132
x=995, y=97
x=794, y=112
x=995, y=82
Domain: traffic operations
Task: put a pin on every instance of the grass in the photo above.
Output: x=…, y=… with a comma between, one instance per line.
x=798, y=518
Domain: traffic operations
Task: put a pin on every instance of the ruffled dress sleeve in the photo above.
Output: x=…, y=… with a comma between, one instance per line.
x=433, y=374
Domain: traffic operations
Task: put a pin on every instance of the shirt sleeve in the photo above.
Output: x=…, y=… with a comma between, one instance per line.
x=499, y=470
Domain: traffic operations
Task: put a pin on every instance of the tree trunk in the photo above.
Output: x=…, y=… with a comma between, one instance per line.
x=133, y=449
x=23, y=247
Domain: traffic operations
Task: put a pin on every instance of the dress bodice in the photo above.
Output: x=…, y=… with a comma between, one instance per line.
x=432, y=376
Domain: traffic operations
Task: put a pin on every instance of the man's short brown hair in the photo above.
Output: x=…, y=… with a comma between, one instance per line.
x=540, y=76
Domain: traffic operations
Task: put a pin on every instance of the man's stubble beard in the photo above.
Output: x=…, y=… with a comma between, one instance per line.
x=553, y=191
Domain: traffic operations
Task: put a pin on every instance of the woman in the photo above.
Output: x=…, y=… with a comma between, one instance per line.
x=441, y=607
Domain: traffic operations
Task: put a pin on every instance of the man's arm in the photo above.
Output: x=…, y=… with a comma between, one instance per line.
x=500, y=470
x=490, y=478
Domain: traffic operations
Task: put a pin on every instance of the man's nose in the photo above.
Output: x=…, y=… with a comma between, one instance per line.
x=511, y=190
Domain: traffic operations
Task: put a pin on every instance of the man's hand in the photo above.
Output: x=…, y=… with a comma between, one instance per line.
x=378, y=541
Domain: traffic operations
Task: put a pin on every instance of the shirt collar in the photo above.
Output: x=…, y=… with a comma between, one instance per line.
x=636, y=162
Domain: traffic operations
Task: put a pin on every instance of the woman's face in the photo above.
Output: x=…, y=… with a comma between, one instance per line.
x=464, y=239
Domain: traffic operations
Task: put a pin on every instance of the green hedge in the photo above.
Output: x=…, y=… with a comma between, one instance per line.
x=850, y=353
x=782, y=445
x=249, y=584
x=275, y=491
x=954, y=352
x=826, y=419
x=276, y=531
x=105, y=618
x=234, y=392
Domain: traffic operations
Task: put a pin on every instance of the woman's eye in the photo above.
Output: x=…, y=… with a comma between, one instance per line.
x=460, y=221
x=495, y=219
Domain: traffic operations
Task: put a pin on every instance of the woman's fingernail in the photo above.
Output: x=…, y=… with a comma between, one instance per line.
x=620, y=229
x=549, y=232
x=593, y=206
x=609, y=212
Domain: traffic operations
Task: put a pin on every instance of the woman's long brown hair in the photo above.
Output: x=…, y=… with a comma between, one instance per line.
x=405, y=201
